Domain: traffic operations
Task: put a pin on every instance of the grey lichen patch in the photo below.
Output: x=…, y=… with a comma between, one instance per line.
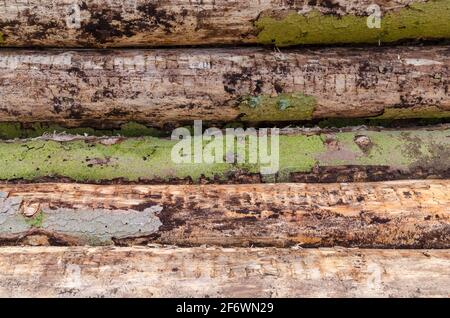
x=86, y=226
x=12, y=222
x=283, y=107
x=99, y=226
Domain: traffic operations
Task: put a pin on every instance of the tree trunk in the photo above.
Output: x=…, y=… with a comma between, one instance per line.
x=206, y=272
x=223, y=85
x=411, y=214
x=115, y=23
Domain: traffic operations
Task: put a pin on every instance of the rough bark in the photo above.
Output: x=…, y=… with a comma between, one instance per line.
x=413, y=214
x=116, y=23
x=223, y=84
x=206, y=272
x=332, y=156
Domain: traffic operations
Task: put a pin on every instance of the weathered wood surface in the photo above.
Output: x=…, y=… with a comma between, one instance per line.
x=401, y=214
x=112, y=23
x=160, y=86
x=315, y=156
x=207, y=272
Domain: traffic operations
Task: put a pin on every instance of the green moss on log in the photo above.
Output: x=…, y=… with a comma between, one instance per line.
x=131, y=129
x=10, y=131
x=429, y=20
x=149, y=158
x=418, y=112
x=283, y=107
x=36, y=221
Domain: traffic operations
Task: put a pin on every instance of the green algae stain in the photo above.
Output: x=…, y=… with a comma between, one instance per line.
x=145, y=158
x=283, y=107
x=430, y=20
x=36, y=221
x=401, y=149
x=299, y=154
x=132, y=159
x=149, y=158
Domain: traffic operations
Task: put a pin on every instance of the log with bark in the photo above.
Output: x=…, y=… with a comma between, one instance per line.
x=306, y=156
x=208, y=272
x=400, y=214
x=161, y=86
x=115, y=23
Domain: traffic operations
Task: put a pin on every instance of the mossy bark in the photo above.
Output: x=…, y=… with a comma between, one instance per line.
x=418, y=20
x=389, y=154
x=167, y=86
x=97, y=23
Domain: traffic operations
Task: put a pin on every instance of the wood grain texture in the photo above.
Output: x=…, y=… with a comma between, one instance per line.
x=161, y=86
x=401, y=214
x=115, y=23
x=206, y=272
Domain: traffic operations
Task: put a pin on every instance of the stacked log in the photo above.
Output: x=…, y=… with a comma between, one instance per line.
x=396, y=214
x=160, y=86
x=96, y=23
x=213, y=272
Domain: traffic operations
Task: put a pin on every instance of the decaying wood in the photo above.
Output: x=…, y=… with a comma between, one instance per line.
x=223, y=84
x=184, y=22
x=207, y=272
x=408, y=214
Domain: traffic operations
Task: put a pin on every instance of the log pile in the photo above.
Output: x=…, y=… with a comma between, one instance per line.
x=95, y=95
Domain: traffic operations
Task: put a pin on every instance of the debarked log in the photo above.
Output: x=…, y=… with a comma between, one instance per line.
x=116, y=23
x=216, y=272
x=396, y=214
x=315, y=156
x=222, y=85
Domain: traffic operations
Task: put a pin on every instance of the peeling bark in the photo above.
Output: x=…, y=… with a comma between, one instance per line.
x=223, y=85
x=206, y=272
x=412, y=214
x=115, y=23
